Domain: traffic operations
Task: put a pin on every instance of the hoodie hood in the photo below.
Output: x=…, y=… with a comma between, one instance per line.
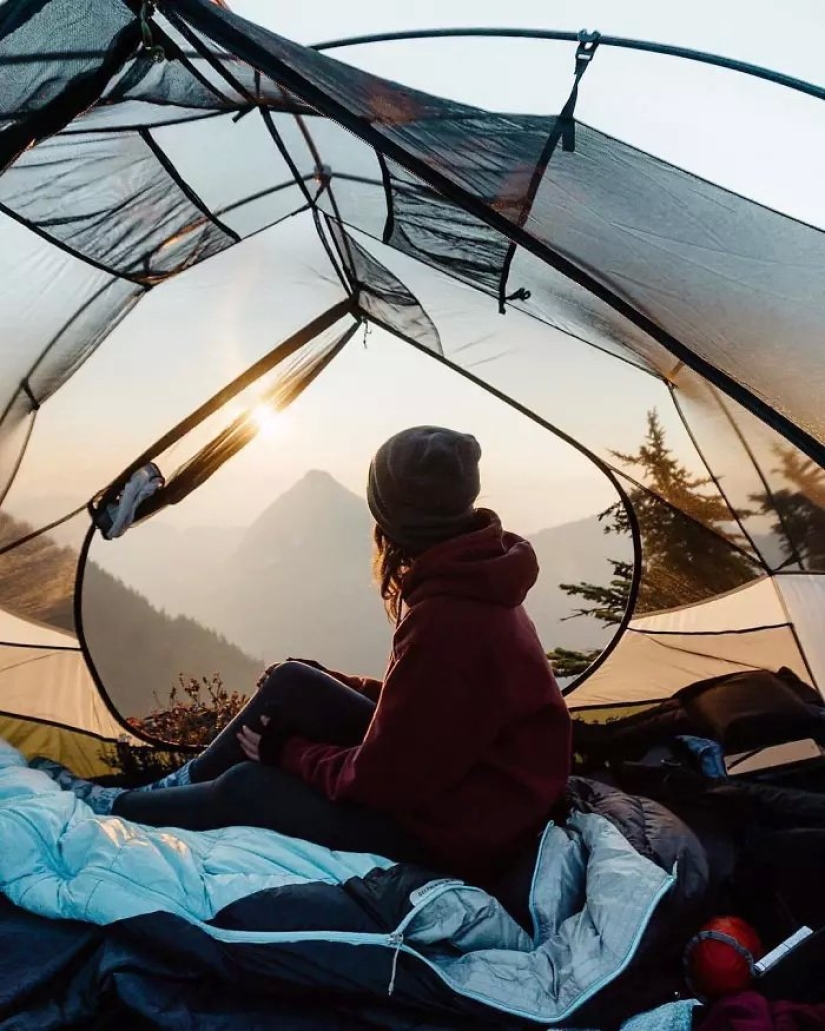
x=488, y=565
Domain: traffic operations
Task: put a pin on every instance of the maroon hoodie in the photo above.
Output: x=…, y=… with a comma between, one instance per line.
x=469, y=747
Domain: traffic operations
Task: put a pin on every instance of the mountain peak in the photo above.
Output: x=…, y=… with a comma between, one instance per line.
x=317, y=477
x=317, y=507
x=316, y=483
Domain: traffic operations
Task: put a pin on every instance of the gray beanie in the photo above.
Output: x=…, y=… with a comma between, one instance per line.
x=422, y=486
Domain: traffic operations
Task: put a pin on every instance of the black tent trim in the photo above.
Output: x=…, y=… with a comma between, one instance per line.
x=72, y=730
x=147, y=137
x=641, y=632
x=563, y=129
x=41, y=648
x=87, y=259
x=39, y=533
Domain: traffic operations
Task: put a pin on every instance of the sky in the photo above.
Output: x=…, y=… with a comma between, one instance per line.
x=752, y=137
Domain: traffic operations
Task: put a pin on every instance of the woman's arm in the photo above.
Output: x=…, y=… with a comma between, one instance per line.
x=367, y=686
x=430, y=727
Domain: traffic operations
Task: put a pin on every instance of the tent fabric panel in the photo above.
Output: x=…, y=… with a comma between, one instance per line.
x=110, y=199
x=56, y=687
x=82, y=753
x=440, y=233
x=645, y=666
x=803, y=597
x=80, y=337
x=17, y=631
x=44, y=287
x=559, y=302
x=756, y=604
x=13, y=440
x=741, y=285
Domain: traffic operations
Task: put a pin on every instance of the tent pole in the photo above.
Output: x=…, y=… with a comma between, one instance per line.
x=686, y=53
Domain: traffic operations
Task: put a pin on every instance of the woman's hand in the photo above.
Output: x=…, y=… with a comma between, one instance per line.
x=251, y=742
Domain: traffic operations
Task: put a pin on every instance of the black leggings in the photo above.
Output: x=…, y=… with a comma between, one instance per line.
x=227, y=790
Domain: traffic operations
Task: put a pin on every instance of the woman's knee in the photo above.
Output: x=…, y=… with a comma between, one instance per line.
x=282, y=680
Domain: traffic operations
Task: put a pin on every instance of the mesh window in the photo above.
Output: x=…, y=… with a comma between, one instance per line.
x=37, y=82
x=109, y=198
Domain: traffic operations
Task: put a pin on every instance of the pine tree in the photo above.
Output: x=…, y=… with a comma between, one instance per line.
x=688, y=553
x=798, y=509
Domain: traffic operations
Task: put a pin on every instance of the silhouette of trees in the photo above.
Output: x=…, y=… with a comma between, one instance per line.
x=688, y=551
x=798, y=509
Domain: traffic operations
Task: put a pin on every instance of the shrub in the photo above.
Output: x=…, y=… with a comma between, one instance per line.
x=195, y=712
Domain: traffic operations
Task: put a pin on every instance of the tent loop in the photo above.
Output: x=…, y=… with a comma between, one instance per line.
x=521, y=294
x=154, y=50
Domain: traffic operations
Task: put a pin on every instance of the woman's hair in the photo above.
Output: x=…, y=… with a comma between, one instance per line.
x=390, y=564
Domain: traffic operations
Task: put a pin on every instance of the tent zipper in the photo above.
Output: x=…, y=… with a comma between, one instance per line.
x=396, y=939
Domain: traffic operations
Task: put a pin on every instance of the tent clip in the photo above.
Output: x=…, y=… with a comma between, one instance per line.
x=588, y=43
x=322, y=176
x=155, y=51
x=521, y=294
x=25, y=386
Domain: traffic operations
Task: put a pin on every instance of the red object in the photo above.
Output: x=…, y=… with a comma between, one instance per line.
x=717, y=967
x=470, y=746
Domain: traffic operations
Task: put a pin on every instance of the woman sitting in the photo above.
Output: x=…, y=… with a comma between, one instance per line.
x=457, y=759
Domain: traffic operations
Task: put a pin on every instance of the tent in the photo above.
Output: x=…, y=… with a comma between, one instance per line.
x=532, y=255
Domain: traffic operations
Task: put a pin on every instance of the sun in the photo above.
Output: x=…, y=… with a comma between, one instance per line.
x=268, y=422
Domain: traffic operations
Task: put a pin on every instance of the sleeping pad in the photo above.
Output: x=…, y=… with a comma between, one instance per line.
x=145, y=914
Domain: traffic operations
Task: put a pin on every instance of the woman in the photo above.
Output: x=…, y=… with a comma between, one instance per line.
x=458, y=757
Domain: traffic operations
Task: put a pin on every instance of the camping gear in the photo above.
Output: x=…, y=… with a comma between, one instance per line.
x=255, y=911
x=721, y=958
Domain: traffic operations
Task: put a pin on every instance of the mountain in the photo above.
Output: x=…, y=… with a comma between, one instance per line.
x=299, y=582
x=570, y=553
x=138, y=650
